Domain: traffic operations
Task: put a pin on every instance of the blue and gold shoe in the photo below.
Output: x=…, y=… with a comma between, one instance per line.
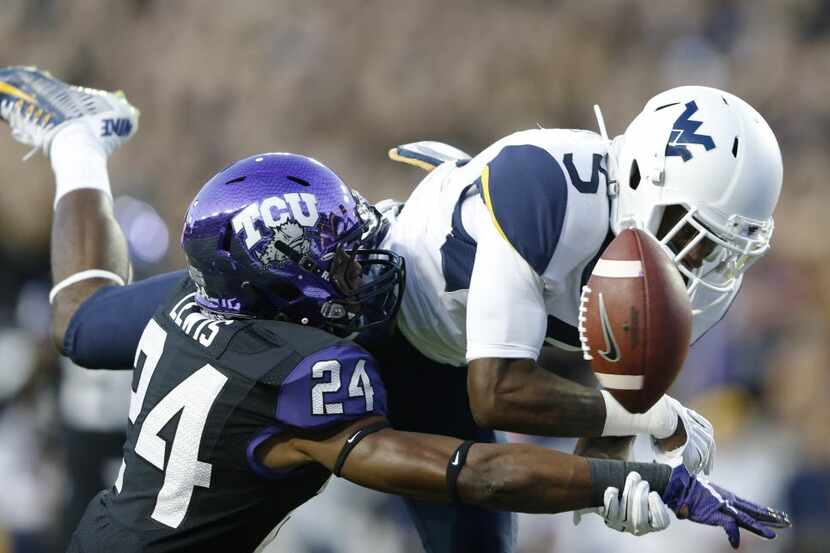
x=37, y=106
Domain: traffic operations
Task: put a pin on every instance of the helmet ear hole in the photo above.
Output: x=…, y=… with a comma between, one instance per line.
x=634, y=178
x=671, y=216
x=225, y=240
x=286, y=290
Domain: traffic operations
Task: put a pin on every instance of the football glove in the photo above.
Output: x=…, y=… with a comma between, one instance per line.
x=697, y=499
x=639, y=511
x=698, y=453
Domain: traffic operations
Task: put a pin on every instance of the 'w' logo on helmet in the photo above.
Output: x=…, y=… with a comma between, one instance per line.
x=683, y=133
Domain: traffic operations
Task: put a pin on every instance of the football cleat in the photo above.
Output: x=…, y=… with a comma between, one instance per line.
x=37, y=106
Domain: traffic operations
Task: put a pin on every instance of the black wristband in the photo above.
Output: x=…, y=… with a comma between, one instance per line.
x=454, y=466
x=606, y=473
x=354, y=440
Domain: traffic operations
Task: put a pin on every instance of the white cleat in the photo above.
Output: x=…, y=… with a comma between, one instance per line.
x=37, y=106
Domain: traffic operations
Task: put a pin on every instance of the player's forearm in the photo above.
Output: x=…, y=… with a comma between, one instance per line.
x=85, y=235
x=519, y=396
x=525, y=478
x=403, y=463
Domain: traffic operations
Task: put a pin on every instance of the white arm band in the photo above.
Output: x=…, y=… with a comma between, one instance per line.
x=660, y=421
x=83, y=275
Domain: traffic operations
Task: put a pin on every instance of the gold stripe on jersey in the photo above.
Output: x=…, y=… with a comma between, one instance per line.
x=395, y=155
x=485, y=188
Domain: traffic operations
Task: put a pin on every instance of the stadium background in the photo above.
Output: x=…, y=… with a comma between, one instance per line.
x=343, y=81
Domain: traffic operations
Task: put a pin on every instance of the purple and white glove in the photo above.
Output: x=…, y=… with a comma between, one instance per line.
x=698, y=500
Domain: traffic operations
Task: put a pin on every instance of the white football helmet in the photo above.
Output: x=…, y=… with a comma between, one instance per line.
x=712, y=154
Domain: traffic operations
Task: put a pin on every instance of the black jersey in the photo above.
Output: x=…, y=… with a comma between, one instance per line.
x=206, y=392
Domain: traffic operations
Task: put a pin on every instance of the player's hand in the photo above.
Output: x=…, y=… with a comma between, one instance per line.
x=639, y=511
x=698, y=453
x=698, y=500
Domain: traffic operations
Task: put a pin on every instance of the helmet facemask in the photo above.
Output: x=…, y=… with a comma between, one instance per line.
x=712, y=265
x=371, y=282
x=367, y=283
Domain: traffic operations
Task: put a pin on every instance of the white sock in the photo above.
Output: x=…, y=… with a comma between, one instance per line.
x=660, y=421
x=78, y=161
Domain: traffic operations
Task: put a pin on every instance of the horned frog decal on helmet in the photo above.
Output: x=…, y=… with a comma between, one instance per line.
x=292, y=235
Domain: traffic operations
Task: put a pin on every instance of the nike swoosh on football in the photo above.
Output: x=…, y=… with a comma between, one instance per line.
x=354, y=436
x=457, y=457
x=611, y=353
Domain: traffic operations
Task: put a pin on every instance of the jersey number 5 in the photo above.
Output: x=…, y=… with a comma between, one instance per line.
x=193, y=398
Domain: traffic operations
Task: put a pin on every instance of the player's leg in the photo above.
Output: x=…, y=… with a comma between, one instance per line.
x=425, y=396
x=78, y=129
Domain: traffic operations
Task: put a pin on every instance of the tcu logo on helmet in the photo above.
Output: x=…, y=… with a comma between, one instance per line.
x=275, y=211
x=683, y=133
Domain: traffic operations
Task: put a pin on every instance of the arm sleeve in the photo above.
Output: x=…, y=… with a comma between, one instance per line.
x=337, y=384
x=505, y=307
x=106, y=328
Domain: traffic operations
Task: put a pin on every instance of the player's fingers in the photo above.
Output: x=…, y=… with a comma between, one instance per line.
x=702, y=442
x=612, y=504
x=766, y=515
x=701, y=420
x=694, y=455
x=638, y=508
x=730, y=526
x=710, y=462
x=658, y=511
x=775, y=518
x=631, y=482
x=747, y=522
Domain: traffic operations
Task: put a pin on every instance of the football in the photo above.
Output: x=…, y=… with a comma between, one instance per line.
x=635, y=320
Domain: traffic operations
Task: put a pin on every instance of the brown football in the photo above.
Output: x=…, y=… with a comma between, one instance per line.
x=635, y=320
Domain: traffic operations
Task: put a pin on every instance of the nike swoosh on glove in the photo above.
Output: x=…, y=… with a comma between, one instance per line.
x=698, y=453
x=700, y=501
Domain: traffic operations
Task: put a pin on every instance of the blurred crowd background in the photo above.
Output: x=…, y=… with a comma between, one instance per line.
x=343, y=81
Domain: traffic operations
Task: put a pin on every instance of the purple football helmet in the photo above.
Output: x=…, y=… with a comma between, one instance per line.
x=280, y=236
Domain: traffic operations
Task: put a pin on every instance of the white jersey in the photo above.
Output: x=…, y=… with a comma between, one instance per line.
x=497, y=250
